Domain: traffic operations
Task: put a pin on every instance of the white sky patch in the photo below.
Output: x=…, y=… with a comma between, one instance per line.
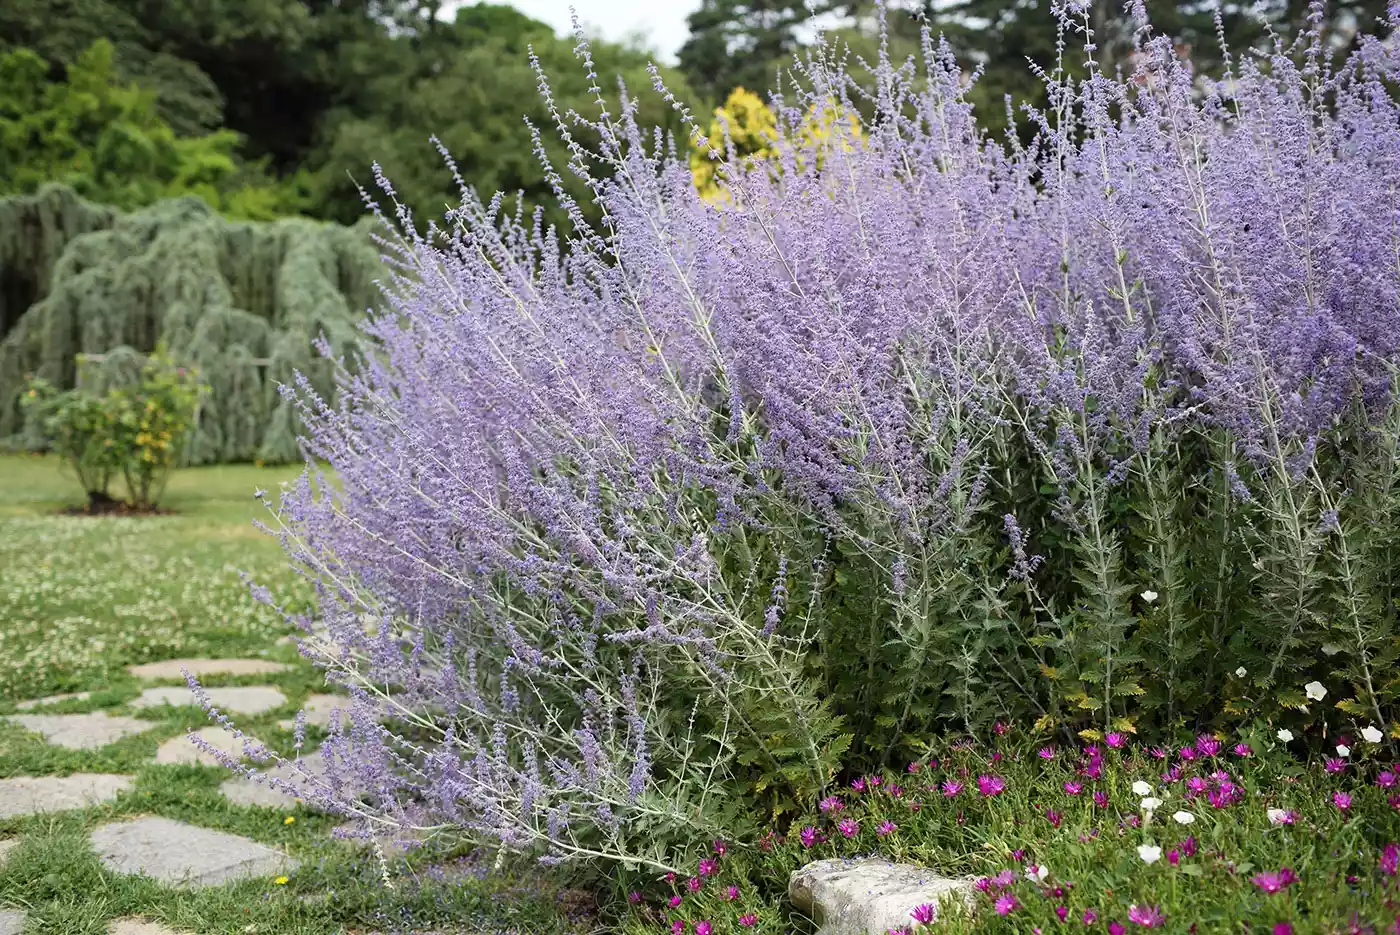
x=657, y=25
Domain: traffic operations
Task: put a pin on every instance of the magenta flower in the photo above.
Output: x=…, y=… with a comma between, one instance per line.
x=1005, y=878
x=1101, y=799
x=1342, y=800
x=1093, y=771
x=671, y=877
x=1018, y=855
x=1274, y=881
x=1074, y=788
x=721, y=848
x=808, y=836
x=922, y=914
x=830, y=804
x=1115, y=739
x=1006, y=904
x=1046, y=753
x=886, y=827
x=1158, y=753
x=1089, y=917
x=990, y=785
x=1062, y=912
x=1196, y=785
x=748, y=920
x=1334, y=764
x=1208, y=745
x=1173, y=857
x=1053, y=817
x=702, y=928
x=1188, y=753
x=1386, y=779
x=634, y=897
x=951, y=787
x=1149, y=917
x=708, y=866
x=1116, y=928
x=694, y=884
x=875, y=782
x=1283, y=928
x=999, y=728
x=1188, y=847
x=858, y=784
x=1390, y=859
x=678, y=927
x=731, y=893
x=848, y=827
x=675, y=900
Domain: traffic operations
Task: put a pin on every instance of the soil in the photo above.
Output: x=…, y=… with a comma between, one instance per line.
x=103, y=505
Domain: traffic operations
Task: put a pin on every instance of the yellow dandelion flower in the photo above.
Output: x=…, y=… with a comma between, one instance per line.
x=282, y=881
x=290, y=819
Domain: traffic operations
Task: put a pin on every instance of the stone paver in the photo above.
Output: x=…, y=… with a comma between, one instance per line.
x=11, y=922
x=80, y=731
x=318, y=710
x=176, y=668
x=176, y=853
x=182, y=750
x=7, y=845
x=33, y=703
x=241, y=790
x=249, y=699
x=137, y=926
x=25, y=795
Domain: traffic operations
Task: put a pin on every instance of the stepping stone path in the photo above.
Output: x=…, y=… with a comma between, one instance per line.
x=318, y=710
x=52, y=699
x=176, y=668
x=138, y=927
x=80, y=731
x=249, y=699
x=184, y=855
x=25, y=795
x=11, y=922
x=6, y=846
x=182, y=750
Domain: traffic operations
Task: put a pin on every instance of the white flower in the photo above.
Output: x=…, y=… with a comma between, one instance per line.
x=1276, y=816
x=1149, y=596
x=1141, y=788
x=1343, y=750
x=1037, y=873
x=1331, y=649
x=1315, y=691
x=1285, y=735
x=1241, y=672
x=1371, y=734
x=1184, y=818
x=1150, y=853
x=1151, y=804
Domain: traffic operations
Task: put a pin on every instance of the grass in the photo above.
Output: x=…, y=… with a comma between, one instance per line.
x=81, y=598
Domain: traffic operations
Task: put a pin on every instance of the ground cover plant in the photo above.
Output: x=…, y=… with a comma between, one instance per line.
x=1221, y=833
x=669, y=526
x=83, y=597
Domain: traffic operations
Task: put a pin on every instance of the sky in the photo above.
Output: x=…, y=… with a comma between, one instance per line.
x=661, y=22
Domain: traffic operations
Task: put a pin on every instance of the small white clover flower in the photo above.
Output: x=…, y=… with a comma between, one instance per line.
x=1343, y=750
x=1276, y=816
x=1150, y=853
x=1037, y=873
x=1285, y=734
x=1241, y=672
x=1371, y=734
x=1141, y=788
x=1315, y=690
x=1149, y=596
x=1183, y=818
x=1151, y=804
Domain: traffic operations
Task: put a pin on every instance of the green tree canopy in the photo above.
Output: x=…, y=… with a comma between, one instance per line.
x=106, y=140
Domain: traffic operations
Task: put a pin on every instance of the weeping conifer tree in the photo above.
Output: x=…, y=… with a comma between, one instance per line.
x=240, y=301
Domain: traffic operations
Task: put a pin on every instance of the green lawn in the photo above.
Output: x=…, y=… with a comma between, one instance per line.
x=83, y=597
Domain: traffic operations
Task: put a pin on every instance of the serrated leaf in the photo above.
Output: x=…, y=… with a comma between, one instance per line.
x=1352, y=706
x=1090, y=733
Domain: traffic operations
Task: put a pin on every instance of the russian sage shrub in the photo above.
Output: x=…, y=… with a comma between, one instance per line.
x=644, y=532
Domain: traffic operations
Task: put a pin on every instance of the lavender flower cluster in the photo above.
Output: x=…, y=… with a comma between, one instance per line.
x=637, y=524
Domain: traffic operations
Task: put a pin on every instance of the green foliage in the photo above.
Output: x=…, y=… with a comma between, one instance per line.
x=106, y=140
x=933, y=814
x=240, y=301
x=137, y=430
